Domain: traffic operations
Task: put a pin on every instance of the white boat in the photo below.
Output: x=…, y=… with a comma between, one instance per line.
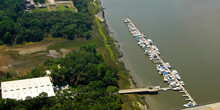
x=126, y=20
x=165, y=79
x=177, y=76
x=175, y=72
x=190, y=104
x=177, y=89
x=158, y=52
x=146, y=51
x=177, y=84
x=173, y=84
x=150, y=41
x=155, y=47
x=144, y=35
x=168, y=65
x=182, y=83
x=158, y=67
x=132, y=29
x=171, y=78
x=150, y=53
x=130, y=25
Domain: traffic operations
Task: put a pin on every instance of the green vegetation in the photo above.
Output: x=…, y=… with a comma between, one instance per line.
x=38, y=10
x=105, y=39
x=61, y=7
x=17, y=26
x=39, y=1
x=92, y=82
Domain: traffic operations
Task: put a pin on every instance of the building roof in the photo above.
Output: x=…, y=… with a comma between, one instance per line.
x=20, y=89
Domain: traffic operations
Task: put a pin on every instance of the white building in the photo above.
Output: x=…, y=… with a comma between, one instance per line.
x=20, y=89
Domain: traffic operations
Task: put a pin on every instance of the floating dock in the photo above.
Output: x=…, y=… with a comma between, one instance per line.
x=127, y=20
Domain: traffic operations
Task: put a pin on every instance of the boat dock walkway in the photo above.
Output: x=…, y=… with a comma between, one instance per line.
x=142, y=90
x=162, y=62
x=138, y=90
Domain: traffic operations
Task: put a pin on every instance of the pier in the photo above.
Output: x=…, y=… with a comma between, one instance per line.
x=183, y=90
x=138, y=90
x=142, y=90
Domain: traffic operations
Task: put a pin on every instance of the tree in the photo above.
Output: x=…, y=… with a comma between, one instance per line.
x=43, y=95
x=28, y=98
x=69, y=31
x=6, y=26
x=111, y=89
x=7, y=39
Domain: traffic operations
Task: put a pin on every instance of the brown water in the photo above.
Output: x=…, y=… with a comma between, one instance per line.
x=187, y=32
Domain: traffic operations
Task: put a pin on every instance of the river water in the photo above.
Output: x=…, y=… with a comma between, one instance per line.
x=187, y=32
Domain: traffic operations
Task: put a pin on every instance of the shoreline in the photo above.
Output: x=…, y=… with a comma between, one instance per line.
x=133, y=82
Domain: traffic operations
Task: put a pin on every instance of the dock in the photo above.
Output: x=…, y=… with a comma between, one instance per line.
x=162, y=62
x=142, y=90
x=138, y=90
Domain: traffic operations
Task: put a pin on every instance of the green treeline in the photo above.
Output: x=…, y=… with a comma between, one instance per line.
x=92, y=84
x=17, y=26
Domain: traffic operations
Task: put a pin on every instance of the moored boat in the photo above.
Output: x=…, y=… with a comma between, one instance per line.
x=150, y=41
x=168, y=65
x=190, y=104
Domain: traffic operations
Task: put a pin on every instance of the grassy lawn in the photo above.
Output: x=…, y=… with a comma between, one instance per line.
x=40, y=10
x=60, y=7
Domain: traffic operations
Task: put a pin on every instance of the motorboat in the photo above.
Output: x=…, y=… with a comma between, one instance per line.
x=168, y=65
x=190, y=104
x=126, y=21
x=182, y=83
x=175, y=72
x=177, y=76
x=165, y=79
x=158, y=52
x=132, y=29
x=158, y=67
x=154, y=47
x=177, y=89
x=150, y=41
x=144, y=35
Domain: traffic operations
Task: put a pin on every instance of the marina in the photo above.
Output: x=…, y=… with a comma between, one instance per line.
x=172, y=77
